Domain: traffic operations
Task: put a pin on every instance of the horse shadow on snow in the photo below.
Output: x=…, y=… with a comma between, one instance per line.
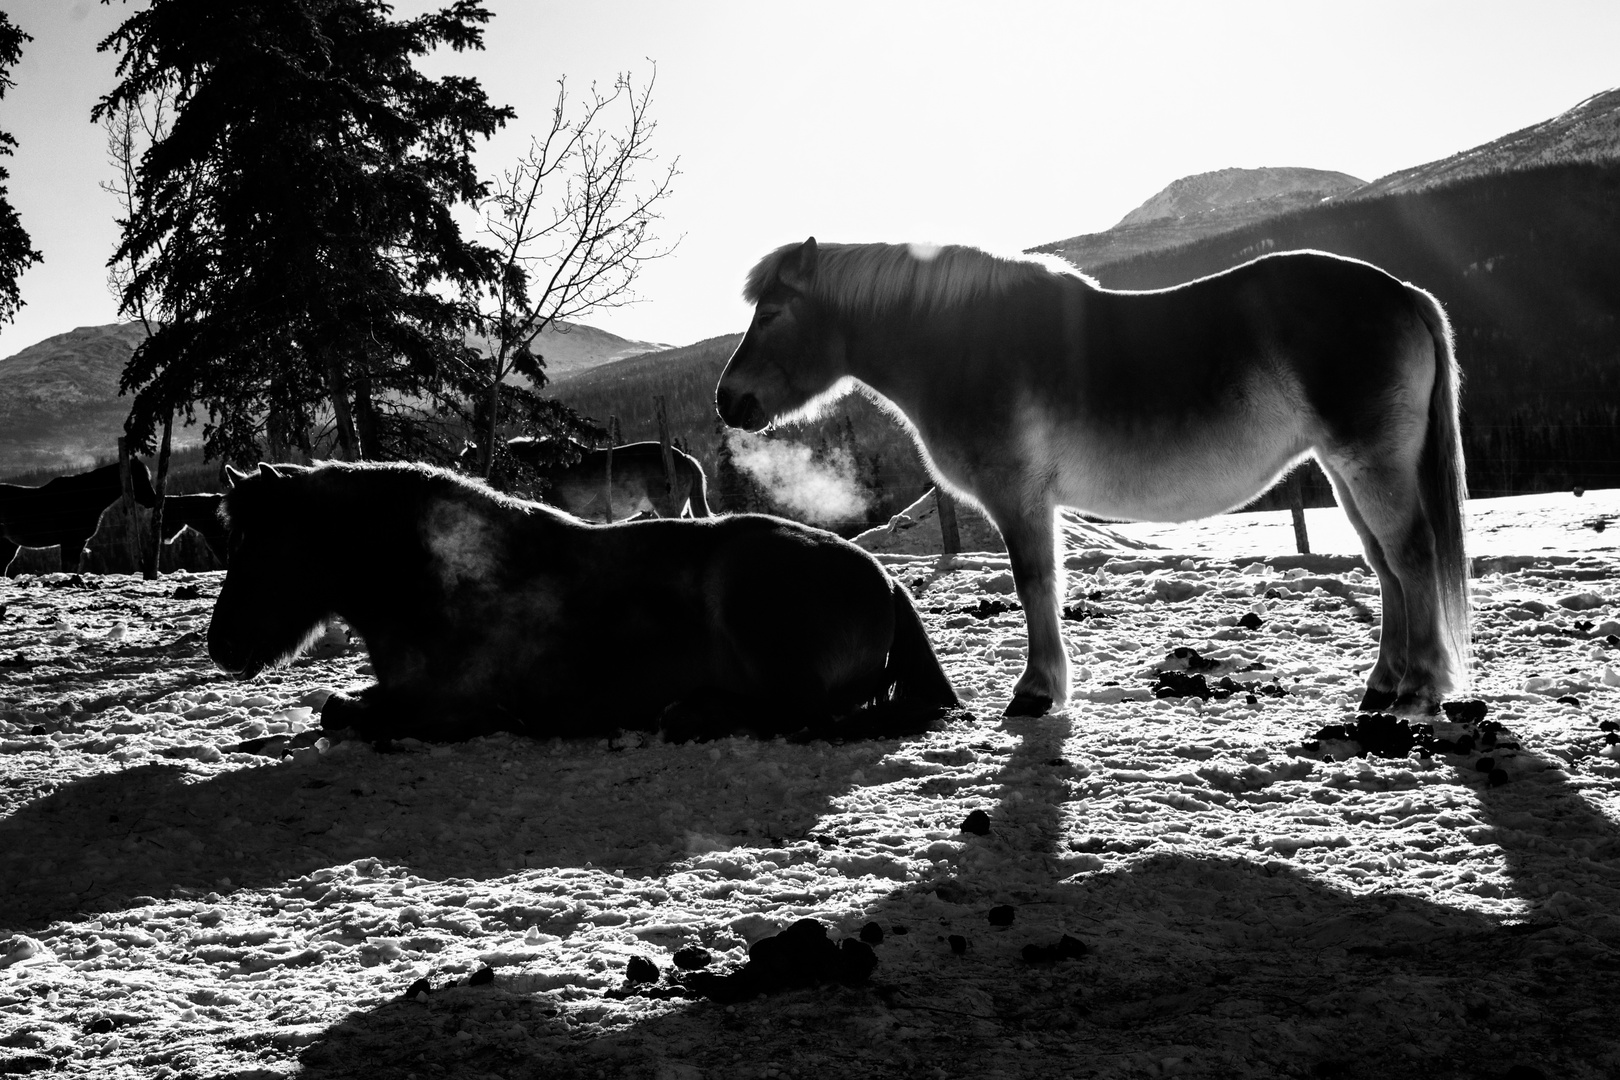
x=1194, y=966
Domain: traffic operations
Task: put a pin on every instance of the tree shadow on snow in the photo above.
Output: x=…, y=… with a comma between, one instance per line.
x=1197, y=966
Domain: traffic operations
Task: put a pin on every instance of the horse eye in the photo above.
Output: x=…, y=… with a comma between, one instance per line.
x=767, y=316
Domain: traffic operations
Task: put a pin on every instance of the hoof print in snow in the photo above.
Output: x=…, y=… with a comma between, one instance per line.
x=482, y=977
x=977, y=823
x=1002, y=915
x=958, y=944
x=185, y=592
x=641, y=970
x=1570, y=699
x=1251, y=621
x=872, y=934
x=802, y=955
x=418, y=989
x=1066, y=947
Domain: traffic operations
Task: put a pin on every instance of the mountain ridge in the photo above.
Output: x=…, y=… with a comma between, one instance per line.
x=1587, y=132
x=60, y=408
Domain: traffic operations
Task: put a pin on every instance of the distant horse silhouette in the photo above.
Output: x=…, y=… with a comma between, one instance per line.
x=64, y=511
x=484, y=612
x=200, y=512
x=640, y=482
x=1028, y=387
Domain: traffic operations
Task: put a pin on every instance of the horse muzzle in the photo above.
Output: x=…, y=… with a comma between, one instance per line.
x=232, y=657
x=741, y=410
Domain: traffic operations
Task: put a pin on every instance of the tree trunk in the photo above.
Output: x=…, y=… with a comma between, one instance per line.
x=365, y=420
x=338, y=389
x=486, y=453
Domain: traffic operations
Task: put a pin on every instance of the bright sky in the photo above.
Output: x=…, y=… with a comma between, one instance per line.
x=1004, y=125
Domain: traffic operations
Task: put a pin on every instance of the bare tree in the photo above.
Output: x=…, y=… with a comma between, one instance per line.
x=572, y=224
x=132, y=127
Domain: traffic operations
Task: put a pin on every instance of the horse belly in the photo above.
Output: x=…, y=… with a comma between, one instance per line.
x=1176, y=471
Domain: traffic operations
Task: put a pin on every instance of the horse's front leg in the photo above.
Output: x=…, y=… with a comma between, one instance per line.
x=1030, y=532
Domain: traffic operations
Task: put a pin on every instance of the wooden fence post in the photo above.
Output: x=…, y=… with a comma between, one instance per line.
x=131, y=532
x=160, y=480
x=948, y=530
x=613, y=440
x=1296, y=508
x=663, y=442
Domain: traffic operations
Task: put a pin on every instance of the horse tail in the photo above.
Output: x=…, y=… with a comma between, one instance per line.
x=913, y=674
x=699, y=491
x=1443, y=486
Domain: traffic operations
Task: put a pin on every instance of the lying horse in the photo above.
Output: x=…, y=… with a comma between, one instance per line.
x=65, y=511
x=200, y=512
x=641, y=484
x=1029, y=387
x=483, y=612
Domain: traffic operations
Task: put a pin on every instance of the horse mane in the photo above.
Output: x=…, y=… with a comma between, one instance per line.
x=877, y=279
x=292, y=496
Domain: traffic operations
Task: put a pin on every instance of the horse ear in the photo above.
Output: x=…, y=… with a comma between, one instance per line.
x=269, y=471
x=799, y=266
x=233, y=477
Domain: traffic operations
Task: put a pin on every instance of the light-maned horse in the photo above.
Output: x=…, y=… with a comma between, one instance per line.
x=483, y=612
x=641, y=484
x=65, y=511
x=1028, y=387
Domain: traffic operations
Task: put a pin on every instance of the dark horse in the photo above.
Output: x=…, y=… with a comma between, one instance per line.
x=201, y=512
x=641, y=484
x=1028, y=387
x=483, y=612
x=65, y=511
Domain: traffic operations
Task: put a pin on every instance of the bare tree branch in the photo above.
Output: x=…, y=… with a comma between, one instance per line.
x=566, y=253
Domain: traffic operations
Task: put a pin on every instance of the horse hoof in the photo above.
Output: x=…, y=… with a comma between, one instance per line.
x=1376, y=701
x=1418, y=703
x=342, y=711
x=1027, y=704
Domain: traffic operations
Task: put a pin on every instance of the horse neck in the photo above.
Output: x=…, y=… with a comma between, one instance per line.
x=890, y=354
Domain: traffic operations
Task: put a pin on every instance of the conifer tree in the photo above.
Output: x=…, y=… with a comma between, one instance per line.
x=16, y=247
x=295, y=220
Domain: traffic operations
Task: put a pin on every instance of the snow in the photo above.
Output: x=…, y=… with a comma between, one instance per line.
x=194, y=881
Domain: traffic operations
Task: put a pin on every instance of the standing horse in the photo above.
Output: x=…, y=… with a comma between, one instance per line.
x=200, y=512
x=641, y=484
x=1028, y=387
x=65, y=511
x=485, y=612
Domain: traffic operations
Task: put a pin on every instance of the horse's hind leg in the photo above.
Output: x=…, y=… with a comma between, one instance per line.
x=1413, y=669
x=8, y=550
x=1383, y=682
x=1031, y=536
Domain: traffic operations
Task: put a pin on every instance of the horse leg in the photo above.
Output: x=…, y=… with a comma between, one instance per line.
x=73, y=556
x=1412, y=650
x=1383, y=682
x=1031, y=536
x=8, y=550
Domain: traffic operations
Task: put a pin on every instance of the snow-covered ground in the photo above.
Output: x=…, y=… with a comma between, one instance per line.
x=193, y=883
